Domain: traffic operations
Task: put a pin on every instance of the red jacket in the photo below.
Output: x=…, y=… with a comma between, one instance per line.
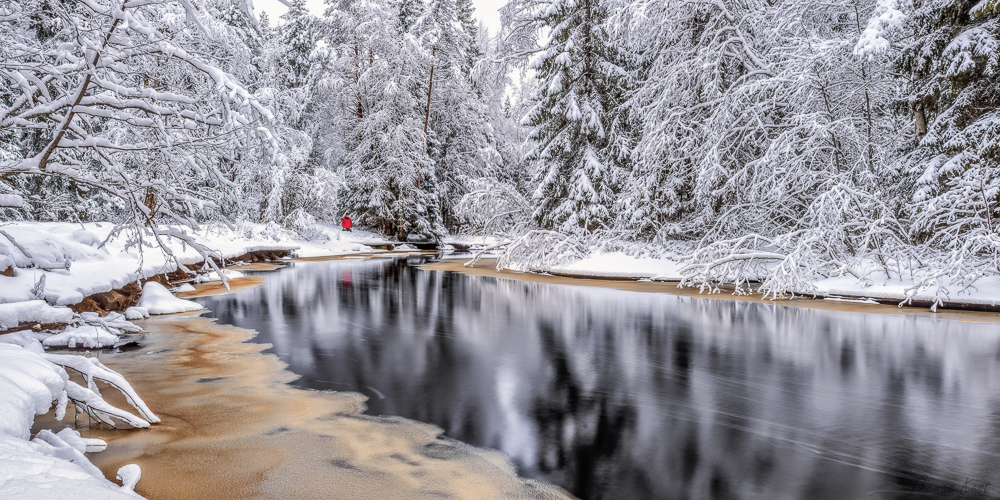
x=346, y=222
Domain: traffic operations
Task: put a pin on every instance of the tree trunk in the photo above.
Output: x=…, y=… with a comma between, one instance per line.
x=920, y=120
x=357, y=77
x=430, y=85
x=427, y=112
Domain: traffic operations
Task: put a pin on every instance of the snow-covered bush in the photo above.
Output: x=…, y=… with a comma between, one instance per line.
x=845, y=231
x=301, y=222
x=493, y=207
x=540, y=250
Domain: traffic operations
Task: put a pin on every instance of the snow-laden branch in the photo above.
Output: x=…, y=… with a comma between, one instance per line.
x=93, y=370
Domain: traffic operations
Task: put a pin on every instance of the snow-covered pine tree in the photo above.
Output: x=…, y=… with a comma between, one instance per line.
x=297, y=34
x=465, y=16
x=953, y=59
x=579, y=133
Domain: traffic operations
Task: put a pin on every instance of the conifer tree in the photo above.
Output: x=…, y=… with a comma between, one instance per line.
x=954, y=60
x=578, y=132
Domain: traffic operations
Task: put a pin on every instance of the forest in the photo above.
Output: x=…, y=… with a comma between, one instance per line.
x=766, y=142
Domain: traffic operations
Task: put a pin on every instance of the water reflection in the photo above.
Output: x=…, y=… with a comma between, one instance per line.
x=626, y=395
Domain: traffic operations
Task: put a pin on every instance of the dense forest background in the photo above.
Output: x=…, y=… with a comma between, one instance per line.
x=773, y=141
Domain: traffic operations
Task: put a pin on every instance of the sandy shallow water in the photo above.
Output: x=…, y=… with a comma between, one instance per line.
x=232, y=428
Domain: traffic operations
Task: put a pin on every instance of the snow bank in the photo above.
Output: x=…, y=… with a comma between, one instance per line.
x=621, y=266
x=214, y=276
x=62, y=263
x=32, y=311
x=156, y=299
x=88, y=336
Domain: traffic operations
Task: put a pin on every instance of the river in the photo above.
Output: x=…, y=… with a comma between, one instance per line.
x=626, y=395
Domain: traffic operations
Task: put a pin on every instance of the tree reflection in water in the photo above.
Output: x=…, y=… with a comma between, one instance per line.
x=625, y=395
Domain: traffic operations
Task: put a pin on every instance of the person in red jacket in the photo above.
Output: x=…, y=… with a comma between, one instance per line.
x=346, y=223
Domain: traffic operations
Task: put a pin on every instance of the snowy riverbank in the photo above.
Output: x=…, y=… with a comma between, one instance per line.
x=874, y=288
x=47, y=267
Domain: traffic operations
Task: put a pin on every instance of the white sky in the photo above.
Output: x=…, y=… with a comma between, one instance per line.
x=486, y=10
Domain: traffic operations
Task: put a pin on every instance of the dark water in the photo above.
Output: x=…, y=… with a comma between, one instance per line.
x=625, y=395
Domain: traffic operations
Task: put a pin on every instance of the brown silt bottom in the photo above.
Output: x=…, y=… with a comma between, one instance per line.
x=232, y=428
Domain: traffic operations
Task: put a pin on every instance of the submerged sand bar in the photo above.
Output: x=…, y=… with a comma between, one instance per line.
x=233, y=428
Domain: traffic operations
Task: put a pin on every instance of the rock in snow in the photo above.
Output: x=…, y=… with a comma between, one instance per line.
x=156, y=299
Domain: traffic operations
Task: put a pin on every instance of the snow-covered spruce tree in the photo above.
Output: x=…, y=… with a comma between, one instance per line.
x=299, y=65
x=130, y=100
x=581, y=139
x=297, y=34
x=390, y=181
x=951, y=51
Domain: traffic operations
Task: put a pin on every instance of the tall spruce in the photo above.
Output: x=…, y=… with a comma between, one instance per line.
x=577, y=127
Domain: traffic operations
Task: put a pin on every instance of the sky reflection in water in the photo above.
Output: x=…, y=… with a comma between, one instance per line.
x=626, y=395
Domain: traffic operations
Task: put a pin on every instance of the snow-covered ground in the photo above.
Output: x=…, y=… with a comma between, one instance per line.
x=69, y=263
x=621, y=266
x=53, y=464
x=58, y=264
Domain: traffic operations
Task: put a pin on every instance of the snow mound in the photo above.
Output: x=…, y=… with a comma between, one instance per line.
x=186, y=287
x=156, y=299
x=86, y=237
x=11, y=200
x=36, y=469
x=34, y=311
x=88, y=336
x=136, y=312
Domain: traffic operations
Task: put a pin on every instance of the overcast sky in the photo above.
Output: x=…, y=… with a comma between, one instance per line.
x=486, y=10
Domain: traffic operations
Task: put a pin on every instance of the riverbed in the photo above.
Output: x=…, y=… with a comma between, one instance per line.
x=620, y=394
x=605, y=393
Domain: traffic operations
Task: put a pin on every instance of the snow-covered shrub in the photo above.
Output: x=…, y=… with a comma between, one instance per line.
x=540, y=250
x=301, y=222
x=493, y=207
x=845, y=231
